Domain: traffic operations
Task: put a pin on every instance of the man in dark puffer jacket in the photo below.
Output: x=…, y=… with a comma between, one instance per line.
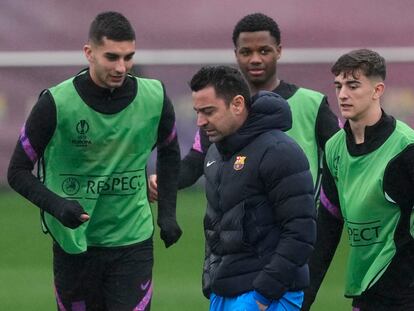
x=260, y=219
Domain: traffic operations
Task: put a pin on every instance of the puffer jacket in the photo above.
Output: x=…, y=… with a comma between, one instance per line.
x=260, y=220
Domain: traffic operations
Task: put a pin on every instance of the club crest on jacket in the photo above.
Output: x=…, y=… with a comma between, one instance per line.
x=239, y=163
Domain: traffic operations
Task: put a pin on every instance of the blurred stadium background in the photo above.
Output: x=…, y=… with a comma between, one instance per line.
x=40, y=45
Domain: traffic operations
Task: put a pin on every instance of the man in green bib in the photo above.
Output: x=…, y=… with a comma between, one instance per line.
x=368, y=188
x=91, y=137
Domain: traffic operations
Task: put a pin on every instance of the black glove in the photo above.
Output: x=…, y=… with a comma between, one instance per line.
x=69, y=214
x=170, y=231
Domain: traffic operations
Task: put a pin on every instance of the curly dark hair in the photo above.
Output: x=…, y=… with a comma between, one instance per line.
x=256, y=22
x=369, y=62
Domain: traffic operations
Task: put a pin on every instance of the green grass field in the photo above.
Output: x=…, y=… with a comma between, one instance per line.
x=26, y=264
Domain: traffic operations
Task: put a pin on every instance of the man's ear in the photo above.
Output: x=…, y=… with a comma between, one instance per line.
x=87, y=50
x=279, y=51
x=238, y=104
x=378, y=90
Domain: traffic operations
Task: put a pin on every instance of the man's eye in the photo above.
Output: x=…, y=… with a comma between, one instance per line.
x=112, y=57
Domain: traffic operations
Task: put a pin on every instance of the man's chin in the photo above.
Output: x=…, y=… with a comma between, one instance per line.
x=256, y=81
x=347, y=115
x=115, y=83
x=214, y=139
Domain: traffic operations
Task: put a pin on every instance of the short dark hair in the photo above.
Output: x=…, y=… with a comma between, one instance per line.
x=256, y=22
x=227, y=82
x=369, y=62
x=112, y=25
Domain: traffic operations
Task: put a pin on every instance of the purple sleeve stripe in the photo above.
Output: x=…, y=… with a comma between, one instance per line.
x=27, y=147
x=59, y=301
x=197, y=142
x=79, y=306
x=331, y=208
x=170, y=137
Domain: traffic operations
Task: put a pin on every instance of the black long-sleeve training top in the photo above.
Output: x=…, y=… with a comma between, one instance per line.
x=396, y=286
x=41, y=124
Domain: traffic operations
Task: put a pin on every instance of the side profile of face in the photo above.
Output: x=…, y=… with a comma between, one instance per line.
x=358, y=96
x=257, y=54
x=110, y=61
x=215, y=117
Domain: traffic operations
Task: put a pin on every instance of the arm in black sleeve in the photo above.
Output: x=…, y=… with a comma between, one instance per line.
x=290, y=190
x=399, y=179
x=329, y=229
x=168, y=166
x=398, y=185
x=192, y=166
x=34, y=137
x=327, y=123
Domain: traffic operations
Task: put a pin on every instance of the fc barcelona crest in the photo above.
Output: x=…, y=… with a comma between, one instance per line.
x=239, y=163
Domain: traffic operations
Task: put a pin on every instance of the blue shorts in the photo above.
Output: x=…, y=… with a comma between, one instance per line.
x=291, y=301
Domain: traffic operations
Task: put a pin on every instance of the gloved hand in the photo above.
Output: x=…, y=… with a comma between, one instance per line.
x=70, y=213
x=170, y=231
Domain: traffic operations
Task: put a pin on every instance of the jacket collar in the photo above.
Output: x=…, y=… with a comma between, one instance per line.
x=269, y=111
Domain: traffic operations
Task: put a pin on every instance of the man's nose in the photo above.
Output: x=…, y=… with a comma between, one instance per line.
x=201, y=120
x=256, y=58
x=120, y=66
x=342, y=93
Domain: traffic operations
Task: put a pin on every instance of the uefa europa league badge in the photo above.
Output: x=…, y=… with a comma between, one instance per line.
x=239, y=163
